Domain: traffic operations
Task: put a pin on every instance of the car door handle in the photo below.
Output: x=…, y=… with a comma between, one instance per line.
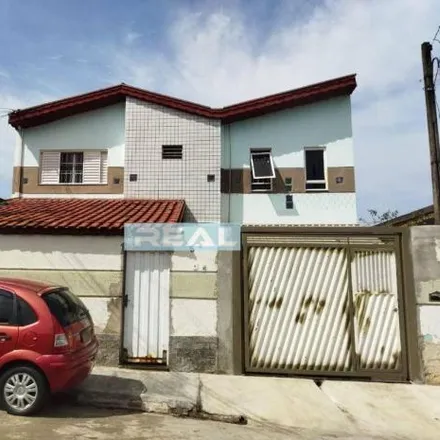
x=4, y=337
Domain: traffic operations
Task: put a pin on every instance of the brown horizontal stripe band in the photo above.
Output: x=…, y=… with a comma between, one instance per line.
x=238, y=180
x=31, y=185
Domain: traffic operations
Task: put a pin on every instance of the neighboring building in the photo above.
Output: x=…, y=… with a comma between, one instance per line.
x=285, y=158
x=138, y=156
x=420, y=217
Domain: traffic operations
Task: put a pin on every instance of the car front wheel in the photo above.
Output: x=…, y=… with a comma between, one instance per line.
x=24, y=390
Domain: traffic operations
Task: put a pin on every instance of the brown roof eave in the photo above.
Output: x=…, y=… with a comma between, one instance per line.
x=52, y=111
x=61, y=231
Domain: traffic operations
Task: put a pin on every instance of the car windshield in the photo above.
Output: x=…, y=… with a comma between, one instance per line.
x=65, y=306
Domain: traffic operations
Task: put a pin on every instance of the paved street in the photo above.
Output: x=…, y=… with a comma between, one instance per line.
x=79, y=423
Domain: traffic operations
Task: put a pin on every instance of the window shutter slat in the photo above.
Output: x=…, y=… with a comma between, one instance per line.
x=104, y=165
x=50, y=167
x=92, y=167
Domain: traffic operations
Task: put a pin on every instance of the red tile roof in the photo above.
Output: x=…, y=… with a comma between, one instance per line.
x=52, y=111
x=87, y=216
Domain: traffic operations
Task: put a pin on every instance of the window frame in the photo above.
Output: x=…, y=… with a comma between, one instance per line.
x=261, y=184
x=103, y=173
x=74, y=164
x=13, y=322
x=324, y=160
x=262, y=152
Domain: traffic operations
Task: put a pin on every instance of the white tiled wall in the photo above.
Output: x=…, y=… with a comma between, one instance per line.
x=148, y=127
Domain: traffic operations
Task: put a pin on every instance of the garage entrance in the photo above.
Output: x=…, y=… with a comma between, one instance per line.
x=324, y=303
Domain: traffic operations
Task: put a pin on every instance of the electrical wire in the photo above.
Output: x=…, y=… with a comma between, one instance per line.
x=435, y=36
x=436, y=60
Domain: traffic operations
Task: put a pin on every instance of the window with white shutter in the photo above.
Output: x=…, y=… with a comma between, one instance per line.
x=50, y=167
x=73, y=167
x=92, y=167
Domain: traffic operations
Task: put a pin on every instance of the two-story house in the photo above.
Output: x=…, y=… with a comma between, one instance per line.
x=282, y=159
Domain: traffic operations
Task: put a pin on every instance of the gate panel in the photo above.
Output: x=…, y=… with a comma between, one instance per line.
x=146, y=318
x=298, y=309
x=375, y=294
x=324, y=305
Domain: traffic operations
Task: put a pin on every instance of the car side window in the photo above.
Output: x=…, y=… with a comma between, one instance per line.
x=6, y=307
x=25, y=313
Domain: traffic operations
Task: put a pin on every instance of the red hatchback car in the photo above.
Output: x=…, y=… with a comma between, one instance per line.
x=47, y=343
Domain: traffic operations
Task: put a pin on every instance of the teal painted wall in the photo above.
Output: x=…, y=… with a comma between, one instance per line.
x=287, y=132
x=97, y=129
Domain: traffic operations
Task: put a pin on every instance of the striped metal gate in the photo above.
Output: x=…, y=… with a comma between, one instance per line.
x=323, y=305
x=146, y=308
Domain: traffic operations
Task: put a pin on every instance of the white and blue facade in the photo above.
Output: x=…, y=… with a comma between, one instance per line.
x=213, y=172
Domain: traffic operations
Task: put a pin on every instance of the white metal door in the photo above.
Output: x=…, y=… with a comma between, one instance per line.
x=146, y=319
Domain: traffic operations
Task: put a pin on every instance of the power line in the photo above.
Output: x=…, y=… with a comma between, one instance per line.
x=435, y=36
x=438, y=68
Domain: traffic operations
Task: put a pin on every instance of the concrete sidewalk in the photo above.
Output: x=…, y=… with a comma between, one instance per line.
x=350, y=408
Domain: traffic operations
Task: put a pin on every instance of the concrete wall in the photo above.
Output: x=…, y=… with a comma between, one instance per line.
x=193, y=296
x=150, y=126
x=287, y=133
x=425, y=254
x=90, y=266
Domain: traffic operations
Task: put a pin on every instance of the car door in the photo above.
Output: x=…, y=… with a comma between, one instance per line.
x=8, y=326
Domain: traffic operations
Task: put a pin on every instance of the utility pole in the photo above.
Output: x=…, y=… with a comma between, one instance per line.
x=431, y=116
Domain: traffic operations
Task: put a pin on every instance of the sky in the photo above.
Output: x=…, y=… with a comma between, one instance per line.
x=224, y=51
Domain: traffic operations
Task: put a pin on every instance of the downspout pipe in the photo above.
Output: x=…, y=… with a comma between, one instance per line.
x=230, y=173
x=21, y=161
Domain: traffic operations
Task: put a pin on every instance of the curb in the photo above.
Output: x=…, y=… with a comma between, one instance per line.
x=145, y=403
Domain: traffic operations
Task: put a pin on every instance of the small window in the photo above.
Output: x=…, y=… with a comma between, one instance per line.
x=262, y=170
x=262, y=165
x=71, y=167
x=172, y=151
x=25, y=313
x=6, y=308
x=315, y=169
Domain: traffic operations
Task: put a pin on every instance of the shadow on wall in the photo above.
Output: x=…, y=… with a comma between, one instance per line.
x=188, y=216
x=279, y=204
